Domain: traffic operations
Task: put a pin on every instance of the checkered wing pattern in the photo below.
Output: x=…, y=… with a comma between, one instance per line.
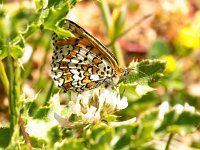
x=81, y=63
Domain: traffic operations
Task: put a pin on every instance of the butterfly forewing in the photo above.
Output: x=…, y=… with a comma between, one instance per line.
x=81, y=62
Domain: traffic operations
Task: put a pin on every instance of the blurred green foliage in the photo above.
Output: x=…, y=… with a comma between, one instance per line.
x=34, y=25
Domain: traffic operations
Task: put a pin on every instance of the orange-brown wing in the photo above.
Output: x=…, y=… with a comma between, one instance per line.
x=83, y=38
x=81, y=62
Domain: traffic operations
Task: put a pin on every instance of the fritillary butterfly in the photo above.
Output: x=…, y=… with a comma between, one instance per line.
x=81, y=62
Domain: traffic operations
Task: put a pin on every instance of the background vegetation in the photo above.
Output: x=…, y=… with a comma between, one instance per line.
x=167, y=117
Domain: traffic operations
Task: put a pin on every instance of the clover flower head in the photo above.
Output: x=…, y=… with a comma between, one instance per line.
x=91, y=106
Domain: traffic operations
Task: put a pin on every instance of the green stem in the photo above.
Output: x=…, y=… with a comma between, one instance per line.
x=4, y=77
x=169, y=141
x=49, y=93
x=11, y=91
x=14, y=96
x=103, y=5
x=12, y=100
x=118, y=53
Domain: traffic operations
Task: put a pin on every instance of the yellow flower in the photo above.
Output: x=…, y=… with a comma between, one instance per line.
x=188, y=37
x=171, y=63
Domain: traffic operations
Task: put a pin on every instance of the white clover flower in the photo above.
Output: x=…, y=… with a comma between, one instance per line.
x=95, y=104
x=164, y=108
x=90, y=115
x=122, y=104
x=186, y=107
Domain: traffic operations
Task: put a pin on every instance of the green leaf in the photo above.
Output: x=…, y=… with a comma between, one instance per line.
x=145, y=72
x=143, y=89
x=100, y=137
x=186, y=117
x=30, y=30
x=37, y=142
x=123, y=142
x=16, y=46
x=39, y=4
x=137, y=104
x=73, y=2
x=150, y=116
x=132, y=91
x=144, y=134
x=196, y=144
x=147, y=101
x=76, y=144
x=168, y=120
x=183, y=123
x=63, y=33
x=110, y=118
x=42, y=113
x=16, y=51
x=5, y=136
x=3, y=52
x=56, y=14
x=56, y=3
x=54, y=134
x=129, y=91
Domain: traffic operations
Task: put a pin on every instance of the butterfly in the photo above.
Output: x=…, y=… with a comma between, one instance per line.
x=81, y=62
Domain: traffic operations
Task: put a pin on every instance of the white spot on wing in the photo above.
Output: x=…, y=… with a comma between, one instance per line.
x=74, y=60
x=57, y=73
x=60, y=81
x=76, y=77
x=55, y=66
x=74, y=71
x=83, y=51
x=94, y=77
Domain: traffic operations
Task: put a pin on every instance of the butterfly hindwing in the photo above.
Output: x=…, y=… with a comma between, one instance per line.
x=80, y=63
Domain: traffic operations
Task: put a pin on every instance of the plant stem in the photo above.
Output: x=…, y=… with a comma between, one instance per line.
x=169, y=141
x=14, y=96
x=12, y=101
x=4, y=77
x=25, y=134
x=118, y=53
x=103, y=5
